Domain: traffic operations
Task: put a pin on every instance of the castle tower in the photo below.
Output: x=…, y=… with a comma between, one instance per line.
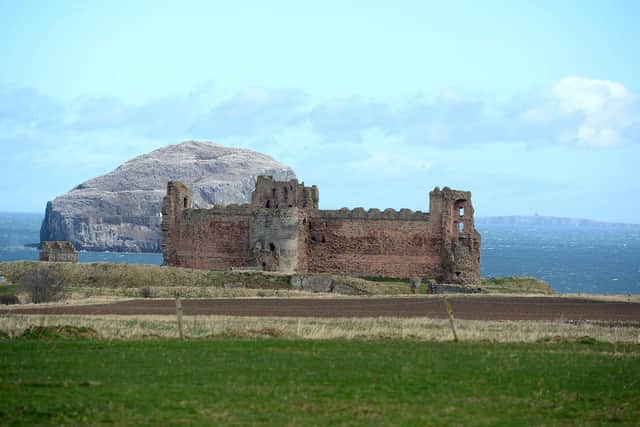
x=451, y=213
x=283, y=194
x=278, y=227
x=178, y=198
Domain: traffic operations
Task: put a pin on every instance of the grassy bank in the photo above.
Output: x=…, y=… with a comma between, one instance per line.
x=95, y=279
x=131, y=280
x=281, y=382
x=516, y=285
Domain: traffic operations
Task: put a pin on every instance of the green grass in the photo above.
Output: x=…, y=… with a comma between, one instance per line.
x=8, y=293
x=516, y=285
x=387, y=279
x=8, y=289
x=282, y=382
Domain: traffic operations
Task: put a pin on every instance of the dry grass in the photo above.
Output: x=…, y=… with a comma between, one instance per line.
x=424, y=329
x=113, y=275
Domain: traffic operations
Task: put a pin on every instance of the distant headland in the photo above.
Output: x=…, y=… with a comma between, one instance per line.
x=552, y=221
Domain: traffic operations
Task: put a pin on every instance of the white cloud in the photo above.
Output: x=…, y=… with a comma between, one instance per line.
x=587, y=112
x=577, y=94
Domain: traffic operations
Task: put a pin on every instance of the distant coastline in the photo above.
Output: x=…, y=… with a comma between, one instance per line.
x=552, y=221
x=9, y=219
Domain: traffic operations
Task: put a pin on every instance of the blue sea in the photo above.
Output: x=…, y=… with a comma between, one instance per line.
x=572, y=259
x=18, y=229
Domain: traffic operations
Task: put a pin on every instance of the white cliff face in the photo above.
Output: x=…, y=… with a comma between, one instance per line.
x=120, y=211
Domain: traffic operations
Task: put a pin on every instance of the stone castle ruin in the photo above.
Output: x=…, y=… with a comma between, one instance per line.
x=283, y=230
x=58, y=251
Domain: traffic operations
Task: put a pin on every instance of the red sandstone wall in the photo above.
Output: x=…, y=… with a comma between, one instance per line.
x=303, y=242
x=366, y=247
x=215, y=242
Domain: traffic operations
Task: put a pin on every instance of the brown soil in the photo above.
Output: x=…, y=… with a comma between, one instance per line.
x=484, y=308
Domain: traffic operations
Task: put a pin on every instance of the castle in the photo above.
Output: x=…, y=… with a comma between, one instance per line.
x=283, y=230
x=58, y=251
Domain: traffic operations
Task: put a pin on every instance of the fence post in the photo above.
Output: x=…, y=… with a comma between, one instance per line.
x=179, y=316
x=450, y=313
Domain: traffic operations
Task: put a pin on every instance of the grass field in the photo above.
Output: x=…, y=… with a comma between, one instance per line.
x=334, y=382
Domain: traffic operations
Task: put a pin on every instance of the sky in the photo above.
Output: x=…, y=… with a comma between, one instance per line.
x=532, y=106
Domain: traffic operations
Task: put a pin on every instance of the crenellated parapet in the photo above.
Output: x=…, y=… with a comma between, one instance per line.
x=371, y=214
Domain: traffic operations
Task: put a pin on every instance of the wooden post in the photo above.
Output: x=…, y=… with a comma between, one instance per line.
x=450, y=313
x=179, y=316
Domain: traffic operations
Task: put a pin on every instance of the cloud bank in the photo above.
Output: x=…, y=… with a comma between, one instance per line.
x=576, y=111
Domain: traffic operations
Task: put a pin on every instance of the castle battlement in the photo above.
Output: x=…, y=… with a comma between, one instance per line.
x=372, y=214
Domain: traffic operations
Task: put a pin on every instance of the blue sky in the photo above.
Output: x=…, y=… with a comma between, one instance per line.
x=534, y=107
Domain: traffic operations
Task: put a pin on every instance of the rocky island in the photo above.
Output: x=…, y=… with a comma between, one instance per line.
x=120, y=211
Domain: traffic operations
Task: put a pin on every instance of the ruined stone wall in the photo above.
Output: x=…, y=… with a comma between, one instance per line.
x=178, y=198
x=303, y=241
x=58, y=251
x=234, y=236
x=212, y=239
x=374, y=243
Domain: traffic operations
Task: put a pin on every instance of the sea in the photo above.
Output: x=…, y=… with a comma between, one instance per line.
x=573, y=259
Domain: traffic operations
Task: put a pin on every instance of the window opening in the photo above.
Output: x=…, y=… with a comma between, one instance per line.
x=461, y=212
x=461, y=227
x=184, y=202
